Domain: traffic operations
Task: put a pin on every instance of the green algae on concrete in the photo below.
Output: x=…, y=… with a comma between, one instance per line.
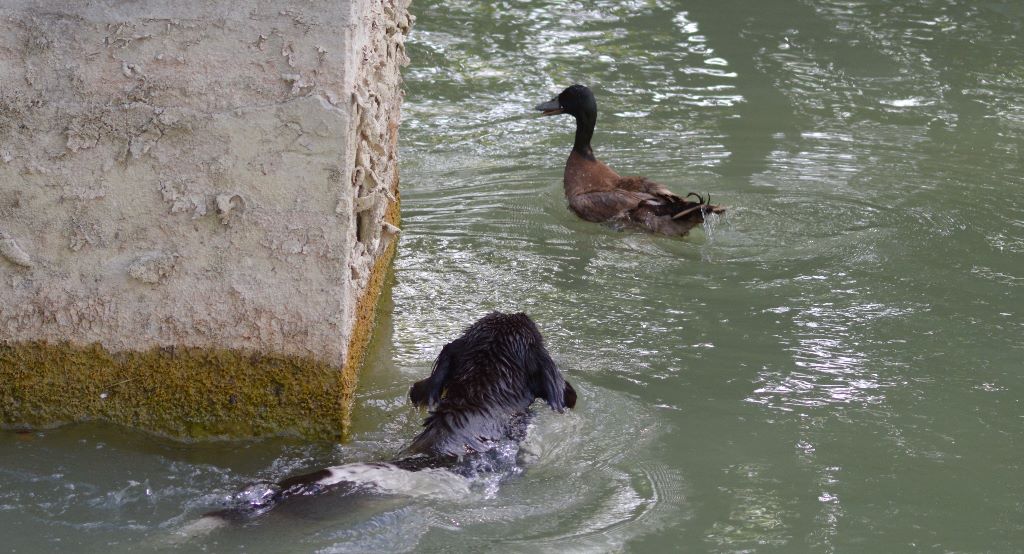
x=234, y=215
x=193, y=393
x=188, y=392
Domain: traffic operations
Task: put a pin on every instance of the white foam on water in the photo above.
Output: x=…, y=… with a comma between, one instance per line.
x=386, y=478
x=194, y=529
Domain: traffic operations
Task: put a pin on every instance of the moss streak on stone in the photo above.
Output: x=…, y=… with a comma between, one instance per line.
x=179, y=392
x=189, y=393
x=366, y=309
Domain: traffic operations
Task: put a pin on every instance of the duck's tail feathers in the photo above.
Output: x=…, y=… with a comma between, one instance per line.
x=703, y=206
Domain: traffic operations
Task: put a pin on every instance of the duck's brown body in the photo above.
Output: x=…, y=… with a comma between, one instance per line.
x=597, y=193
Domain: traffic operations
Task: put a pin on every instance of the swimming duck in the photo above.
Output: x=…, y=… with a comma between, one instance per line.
x=597, y=193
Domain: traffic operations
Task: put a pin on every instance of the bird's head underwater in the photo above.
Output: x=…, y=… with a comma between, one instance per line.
x=576, y=101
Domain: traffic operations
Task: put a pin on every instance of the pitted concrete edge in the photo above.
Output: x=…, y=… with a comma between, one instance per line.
x=218, y=182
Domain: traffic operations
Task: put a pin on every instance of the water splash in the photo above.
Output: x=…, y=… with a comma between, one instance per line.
x=710, y=223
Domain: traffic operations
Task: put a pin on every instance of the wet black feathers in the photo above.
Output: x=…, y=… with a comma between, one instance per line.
x=482, y=385
x=479, y=391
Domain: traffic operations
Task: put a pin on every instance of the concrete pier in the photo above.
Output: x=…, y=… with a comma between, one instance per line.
x=198, y=206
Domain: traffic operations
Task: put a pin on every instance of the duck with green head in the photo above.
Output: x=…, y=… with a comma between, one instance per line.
x=597, y=193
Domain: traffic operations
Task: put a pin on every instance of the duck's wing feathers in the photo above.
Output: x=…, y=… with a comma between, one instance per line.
x=639, y=183
x=640, y=200
x=663, y=202
x=674, y=208
x=618, y=204
x=606, y=205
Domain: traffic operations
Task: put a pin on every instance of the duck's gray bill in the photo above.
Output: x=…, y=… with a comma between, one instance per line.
x=550, y=107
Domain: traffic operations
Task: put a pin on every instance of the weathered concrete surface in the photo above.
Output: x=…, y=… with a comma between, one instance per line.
x=198, y=201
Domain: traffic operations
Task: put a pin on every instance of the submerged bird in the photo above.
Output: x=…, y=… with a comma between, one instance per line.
x=597, y=193
x=482, y=386
x=479, y=395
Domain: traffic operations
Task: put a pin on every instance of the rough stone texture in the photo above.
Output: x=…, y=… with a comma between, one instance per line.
x=197, y=174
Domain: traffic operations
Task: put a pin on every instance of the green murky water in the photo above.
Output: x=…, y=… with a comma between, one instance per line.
x=837, y=365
